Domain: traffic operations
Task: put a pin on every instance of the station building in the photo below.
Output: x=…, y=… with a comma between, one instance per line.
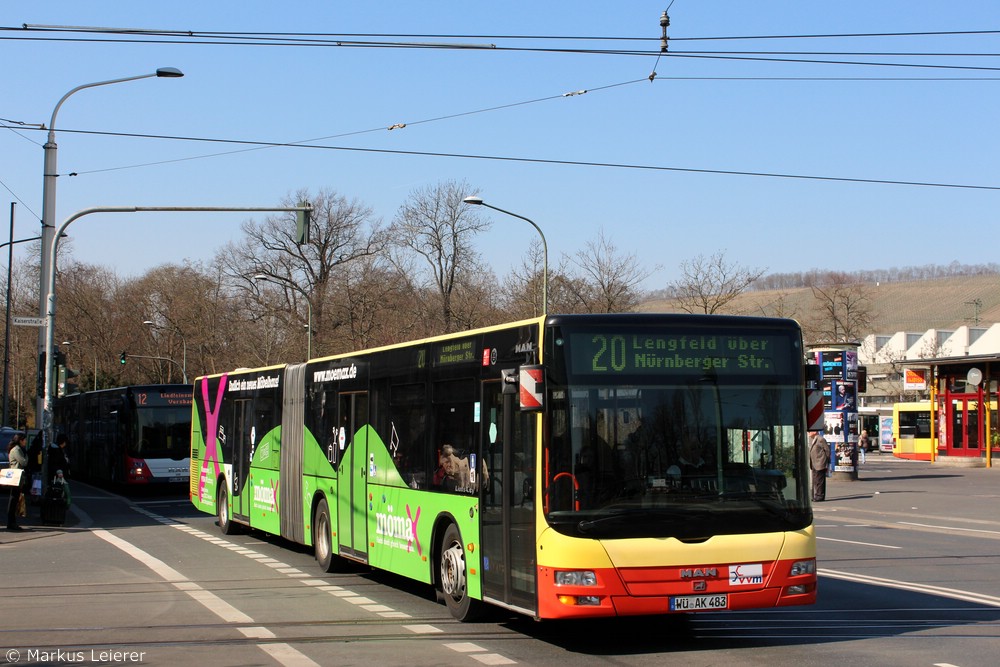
x=956, y=372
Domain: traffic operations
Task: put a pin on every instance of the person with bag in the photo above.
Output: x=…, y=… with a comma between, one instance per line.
x=56, y=501
x=58, y=459
x=18, y=461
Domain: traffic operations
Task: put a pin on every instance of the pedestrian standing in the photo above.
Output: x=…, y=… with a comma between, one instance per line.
x=819, y=463
x=18, y=461
x=862, y=446
x=58, y=458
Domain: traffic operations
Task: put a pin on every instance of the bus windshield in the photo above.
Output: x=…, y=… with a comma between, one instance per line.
x=686, y=434
x=161, y=433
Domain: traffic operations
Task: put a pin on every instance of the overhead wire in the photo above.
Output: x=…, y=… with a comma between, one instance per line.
x=314, y=35
x=534, y=160
x=311, y=39
x=398, y=125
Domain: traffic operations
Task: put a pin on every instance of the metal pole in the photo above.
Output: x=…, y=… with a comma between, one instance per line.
x=6, y=326
x=49, y=173
x=545, y=255
x=48, y=395
x=478, y=201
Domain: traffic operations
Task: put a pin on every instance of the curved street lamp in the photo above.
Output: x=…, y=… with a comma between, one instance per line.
x=478, y=201
x=49, y=174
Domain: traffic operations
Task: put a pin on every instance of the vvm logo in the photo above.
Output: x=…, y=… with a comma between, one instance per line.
x=746, y=574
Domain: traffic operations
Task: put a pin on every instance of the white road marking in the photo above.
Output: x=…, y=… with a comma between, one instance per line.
x=282, y=653
x=965, y=530
x=955, y=594
x=866, y=544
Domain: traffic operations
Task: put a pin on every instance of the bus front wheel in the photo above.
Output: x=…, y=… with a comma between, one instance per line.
x=453, y=577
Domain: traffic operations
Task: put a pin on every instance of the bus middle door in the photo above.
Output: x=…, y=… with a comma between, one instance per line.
x=241, y=429
x=353, y=472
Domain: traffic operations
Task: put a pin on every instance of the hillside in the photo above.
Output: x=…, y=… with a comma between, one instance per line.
x=944, y=303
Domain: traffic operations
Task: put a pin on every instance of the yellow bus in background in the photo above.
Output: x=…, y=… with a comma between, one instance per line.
x=911, y=431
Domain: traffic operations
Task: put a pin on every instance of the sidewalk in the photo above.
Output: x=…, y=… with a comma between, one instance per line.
x=33, y=526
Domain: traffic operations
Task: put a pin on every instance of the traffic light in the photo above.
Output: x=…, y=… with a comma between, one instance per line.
x=59, y=358
x=303, y=220
x=64, y=374
x=67, y=381
x=122, y=359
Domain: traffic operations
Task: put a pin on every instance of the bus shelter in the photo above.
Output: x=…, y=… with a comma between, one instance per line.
x=964, y=396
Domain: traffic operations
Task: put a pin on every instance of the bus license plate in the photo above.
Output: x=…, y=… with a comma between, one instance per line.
x=698, y=602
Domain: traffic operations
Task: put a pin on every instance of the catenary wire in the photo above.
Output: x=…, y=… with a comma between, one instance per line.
x=551, y=161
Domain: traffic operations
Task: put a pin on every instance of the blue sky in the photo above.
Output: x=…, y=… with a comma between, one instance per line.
x=699, y=115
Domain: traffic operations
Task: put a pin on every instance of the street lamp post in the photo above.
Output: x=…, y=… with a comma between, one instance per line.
x=478, y=201
x=265, y=278
x=50, y=172
x=48, y=394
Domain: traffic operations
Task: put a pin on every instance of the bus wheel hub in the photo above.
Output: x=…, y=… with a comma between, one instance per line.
x=453, y=570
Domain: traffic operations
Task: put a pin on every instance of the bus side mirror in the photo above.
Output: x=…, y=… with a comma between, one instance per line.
x=532, y=387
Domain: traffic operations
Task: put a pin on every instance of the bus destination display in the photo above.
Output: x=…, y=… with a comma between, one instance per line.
x=679, y=353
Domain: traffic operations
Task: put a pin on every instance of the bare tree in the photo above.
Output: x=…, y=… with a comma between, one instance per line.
x=477, y=302
x=843, y=311
x=90, y=319
x=609, y=279
x=305, y=275
x=710, y=284
x=435, y=224
x=378, y=305
x=22, y=362
x=186, y=314
x=521, y=289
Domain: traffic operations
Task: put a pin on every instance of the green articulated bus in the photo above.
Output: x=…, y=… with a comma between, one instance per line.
x=567, y=466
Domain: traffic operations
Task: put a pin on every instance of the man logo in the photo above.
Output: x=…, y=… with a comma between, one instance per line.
x=700, y=586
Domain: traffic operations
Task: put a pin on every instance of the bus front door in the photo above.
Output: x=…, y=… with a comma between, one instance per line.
x=352, y=473
x=507, y=438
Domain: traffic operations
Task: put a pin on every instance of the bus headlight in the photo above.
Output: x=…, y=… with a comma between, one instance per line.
x=803, y=567
x=576, y=578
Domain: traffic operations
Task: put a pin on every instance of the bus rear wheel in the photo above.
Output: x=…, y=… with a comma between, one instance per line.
x=453, y=577
x=226, y=524
x=323, y=538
